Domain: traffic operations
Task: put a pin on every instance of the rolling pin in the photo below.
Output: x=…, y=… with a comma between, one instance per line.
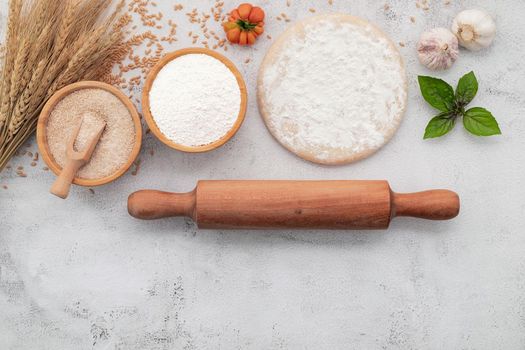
x=293, y=204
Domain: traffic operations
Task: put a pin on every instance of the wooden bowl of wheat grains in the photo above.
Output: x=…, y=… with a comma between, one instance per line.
x=50, y=106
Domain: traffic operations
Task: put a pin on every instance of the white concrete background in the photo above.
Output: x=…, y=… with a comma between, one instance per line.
x=82, y=274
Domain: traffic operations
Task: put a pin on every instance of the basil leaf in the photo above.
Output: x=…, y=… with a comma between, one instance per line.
x=467, y=89
x=440, y=125
x=438, y=93
x=480, y=122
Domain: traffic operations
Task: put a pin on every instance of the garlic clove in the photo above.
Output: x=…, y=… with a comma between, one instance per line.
x=474, y=28
x=438, y=49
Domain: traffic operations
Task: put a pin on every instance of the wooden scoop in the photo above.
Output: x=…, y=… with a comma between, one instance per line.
x=294, y=204
x=77, y=159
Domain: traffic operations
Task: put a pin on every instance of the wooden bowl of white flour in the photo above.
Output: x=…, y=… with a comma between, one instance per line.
x=194, y=100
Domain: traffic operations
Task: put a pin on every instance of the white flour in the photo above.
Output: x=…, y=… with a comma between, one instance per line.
x=195, y=100
x=333, y=89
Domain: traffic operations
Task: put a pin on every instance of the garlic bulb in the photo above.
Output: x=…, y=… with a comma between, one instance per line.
x=438, y=49
x=474, y=28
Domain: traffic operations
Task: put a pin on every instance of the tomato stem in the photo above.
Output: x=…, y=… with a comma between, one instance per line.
x=245, y=25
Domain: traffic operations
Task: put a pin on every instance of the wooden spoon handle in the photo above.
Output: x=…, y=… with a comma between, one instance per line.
x=62, y=184
x=430, y=205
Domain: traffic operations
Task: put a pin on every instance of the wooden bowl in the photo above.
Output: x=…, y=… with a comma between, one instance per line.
x=41, y=135
x=151, y=121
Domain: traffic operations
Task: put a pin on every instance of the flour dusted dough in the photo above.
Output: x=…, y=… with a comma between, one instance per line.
x=332, y=89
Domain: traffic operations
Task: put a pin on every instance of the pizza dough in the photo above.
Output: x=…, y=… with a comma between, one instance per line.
x=332, y=89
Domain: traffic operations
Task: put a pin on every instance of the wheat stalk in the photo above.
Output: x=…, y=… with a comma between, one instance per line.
x=18, y=70
x=65, y=26
x=50, y=44
x=15, y=9
x=27, y=99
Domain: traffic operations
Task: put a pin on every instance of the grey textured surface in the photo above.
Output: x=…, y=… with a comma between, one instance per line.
x=81, y=274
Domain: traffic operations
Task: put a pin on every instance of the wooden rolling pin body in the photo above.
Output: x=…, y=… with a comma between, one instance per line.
x=293, y=204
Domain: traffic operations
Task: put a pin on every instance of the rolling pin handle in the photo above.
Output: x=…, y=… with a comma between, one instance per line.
x=430, y=205
x=150, y=205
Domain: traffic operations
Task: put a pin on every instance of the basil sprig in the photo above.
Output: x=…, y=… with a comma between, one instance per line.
x=440, y=95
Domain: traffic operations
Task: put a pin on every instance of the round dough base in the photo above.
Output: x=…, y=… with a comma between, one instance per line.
x=319, y=153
